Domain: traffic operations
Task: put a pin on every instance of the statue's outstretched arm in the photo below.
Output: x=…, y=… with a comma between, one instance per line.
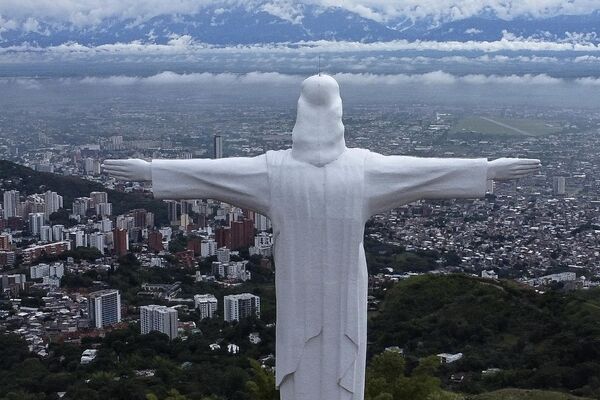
x=132, y=169
x=392, y=181
x=504, y=169
x=242, y=181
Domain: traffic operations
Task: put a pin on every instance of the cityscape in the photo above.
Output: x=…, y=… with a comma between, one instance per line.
x=110, y=292
x=541, y=231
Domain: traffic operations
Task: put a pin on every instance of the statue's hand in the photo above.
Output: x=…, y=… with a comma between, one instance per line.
x=132, y=169
x=504, y=169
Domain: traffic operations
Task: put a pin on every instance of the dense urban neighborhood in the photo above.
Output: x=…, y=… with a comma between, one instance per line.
x=89, y=262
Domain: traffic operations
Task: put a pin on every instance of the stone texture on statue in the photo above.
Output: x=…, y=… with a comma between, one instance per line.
x=319, y=195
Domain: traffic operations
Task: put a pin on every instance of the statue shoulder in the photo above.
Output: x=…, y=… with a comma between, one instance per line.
x=358, y=152
x=277, y=156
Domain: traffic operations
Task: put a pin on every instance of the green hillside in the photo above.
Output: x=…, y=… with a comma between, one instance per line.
x=28, y=181
x=516, y=394
x=549, y=341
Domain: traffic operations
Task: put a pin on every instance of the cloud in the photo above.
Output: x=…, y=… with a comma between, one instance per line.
x=203, y=78
x=588, y=81
x=93, y=12
x=185, y=44
x=24, y=83
x=444, y=78
x=265, y=79
x=285, y=10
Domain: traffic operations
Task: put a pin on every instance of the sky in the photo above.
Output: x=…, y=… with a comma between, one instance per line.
x=29, y=13
x=509, y=60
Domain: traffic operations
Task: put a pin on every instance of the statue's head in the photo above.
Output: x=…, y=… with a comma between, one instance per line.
x=318, y=136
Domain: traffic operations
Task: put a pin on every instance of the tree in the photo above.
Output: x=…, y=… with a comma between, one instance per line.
x=262, y=384
x=175, y=395
x=387, y=379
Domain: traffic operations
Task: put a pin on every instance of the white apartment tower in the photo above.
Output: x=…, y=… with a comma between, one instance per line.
x=104, y=209
x=46, y=233
x=98, y=241
x=98, y=197
x=206, y=305
x=52, y=203
x=159, y=318
x=36, y=221
x=238, y=306
x=208, y=248
x=218, y=143
x=11, y=200
x=57, y=232
x=559, y=185
x=104, y=308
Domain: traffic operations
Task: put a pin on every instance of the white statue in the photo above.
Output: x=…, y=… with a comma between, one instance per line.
x=319, y=195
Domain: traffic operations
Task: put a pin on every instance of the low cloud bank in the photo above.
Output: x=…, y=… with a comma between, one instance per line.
x=274, y=78
x=185, y=45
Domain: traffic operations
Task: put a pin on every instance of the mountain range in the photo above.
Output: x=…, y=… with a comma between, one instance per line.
x=243, y=26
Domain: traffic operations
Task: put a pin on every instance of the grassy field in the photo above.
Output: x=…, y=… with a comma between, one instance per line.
x=488, y=126
x=518, y=394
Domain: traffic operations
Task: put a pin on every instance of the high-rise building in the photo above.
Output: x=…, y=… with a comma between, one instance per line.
x=194, y=243
x=172, y=211
x=78, y=238
x=98, y=198
x=103, y=209
x=81, y=205
x=52, y=203
x=91, y=166
x=125, y=222
x=223, y=237
x=104, y=308
x=218, y=146
x=184, y=221
x=105, y=225
x=120, y=241
x=155, y=241
x=5, y=242
x=223, y=255
x=140, y=217
x=238, y=306
x=46, y=233
x=261, y=222
x=208, y=248
x=559, y=186
x=206, y=304
x=150, y=219
x=97, y=241
x=242, y=233
x=57, y=232
x=36, y=221
x=159, y=318
x=11, y=201
x=186, y=206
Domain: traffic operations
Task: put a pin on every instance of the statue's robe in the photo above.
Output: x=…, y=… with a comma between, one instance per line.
x=318, y=216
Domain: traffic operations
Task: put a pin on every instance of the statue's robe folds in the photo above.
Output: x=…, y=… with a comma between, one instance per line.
x=318, y=216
